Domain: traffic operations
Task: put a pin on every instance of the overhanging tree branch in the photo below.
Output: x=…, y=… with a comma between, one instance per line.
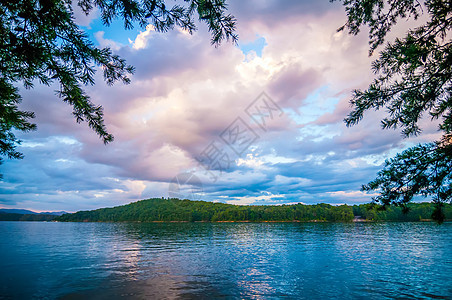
x=40, y=41
x=414, y=78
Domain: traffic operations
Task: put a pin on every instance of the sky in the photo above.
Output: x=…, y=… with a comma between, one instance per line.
x=260, y=122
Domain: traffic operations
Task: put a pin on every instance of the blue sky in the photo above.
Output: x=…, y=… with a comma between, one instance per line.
x=187, y=98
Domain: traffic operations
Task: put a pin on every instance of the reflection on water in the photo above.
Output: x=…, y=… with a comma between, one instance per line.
x=238, y=260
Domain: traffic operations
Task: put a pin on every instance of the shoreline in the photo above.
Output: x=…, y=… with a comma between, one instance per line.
x=247, y=221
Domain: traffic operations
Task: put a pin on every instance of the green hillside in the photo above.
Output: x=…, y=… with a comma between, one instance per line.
x=25, y=217
x=167, y=210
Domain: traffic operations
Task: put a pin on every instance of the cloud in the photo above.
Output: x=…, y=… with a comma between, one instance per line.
x=142, y=38
x=82, y=19
x=247, y=200
x=185, y=93
x=106, y=42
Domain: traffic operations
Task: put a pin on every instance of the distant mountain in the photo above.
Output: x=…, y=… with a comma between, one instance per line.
x=30, y=212
x=54, y=213
x=26, y=217
x=17, y=211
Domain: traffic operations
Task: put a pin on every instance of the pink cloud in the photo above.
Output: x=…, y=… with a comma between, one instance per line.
x=186, y=92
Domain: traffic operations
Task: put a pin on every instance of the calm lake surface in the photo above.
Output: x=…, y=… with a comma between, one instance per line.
x=225, y=260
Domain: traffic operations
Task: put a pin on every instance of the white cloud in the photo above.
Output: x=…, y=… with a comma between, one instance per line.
x=351, y=194
x=247, y=200
x=142, y=38
x=106, y=42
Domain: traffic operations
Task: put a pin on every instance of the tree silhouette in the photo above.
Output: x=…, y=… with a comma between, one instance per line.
x=413, y=80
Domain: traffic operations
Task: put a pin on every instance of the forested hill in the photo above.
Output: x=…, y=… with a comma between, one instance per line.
x=153, y=210
x=25, y=217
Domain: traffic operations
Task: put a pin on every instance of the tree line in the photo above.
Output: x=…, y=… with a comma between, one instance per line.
x=167, y=210
x=25, y=217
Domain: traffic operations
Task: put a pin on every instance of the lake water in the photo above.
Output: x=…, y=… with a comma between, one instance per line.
x=225, y=260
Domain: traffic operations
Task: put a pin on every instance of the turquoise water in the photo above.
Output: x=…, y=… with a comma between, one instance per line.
x=225, y=260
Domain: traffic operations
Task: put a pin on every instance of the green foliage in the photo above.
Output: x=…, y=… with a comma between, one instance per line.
x=11, y=117
x=414, y=72
x=166, y=210
x=25, y=217
x=422, y=170
x=412, y=213
x=41, y=43
x=413, y=80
